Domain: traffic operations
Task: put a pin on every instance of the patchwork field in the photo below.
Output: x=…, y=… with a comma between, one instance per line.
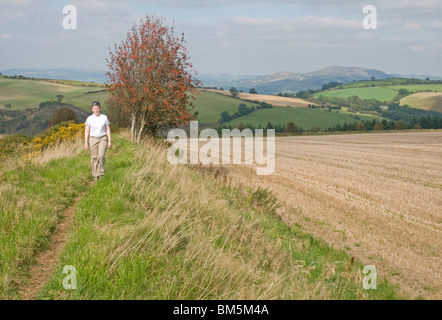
x=376, y=196
x=273, y=100
x=210, y=105
x=306, y=118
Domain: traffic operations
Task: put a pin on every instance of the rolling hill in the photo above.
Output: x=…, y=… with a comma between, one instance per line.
x=23, y=108
x=424, y=100
x=426, y=96
x=307, y=118
x=25, y=93
x=379, y=93
x=210, y=105
x=290, y=82
x=87, y=75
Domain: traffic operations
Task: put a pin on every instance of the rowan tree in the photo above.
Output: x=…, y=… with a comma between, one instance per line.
x=150, y=77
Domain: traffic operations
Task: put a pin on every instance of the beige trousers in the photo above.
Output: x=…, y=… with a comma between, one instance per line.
x=98, y=147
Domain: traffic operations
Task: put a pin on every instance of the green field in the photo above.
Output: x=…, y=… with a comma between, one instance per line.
x=22, y=94
x=379, y=93
x=302, y=117
x=377, y=83
x=413, y=88
x=84, y=101
x=210, y=105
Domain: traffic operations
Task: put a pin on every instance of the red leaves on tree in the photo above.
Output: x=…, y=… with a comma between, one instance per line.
x=149, y=75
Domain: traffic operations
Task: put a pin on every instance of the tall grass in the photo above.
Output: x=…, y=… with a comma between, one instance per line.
x=151, y=230
x=31, y=200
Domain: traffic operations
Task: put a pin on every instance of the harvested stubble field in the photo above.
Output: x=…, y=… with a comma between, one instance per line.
x=273, y=100
x=377, y=196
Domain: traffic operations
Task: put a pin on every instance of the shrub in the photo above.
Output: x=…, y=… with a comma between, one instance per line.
x=62, y=114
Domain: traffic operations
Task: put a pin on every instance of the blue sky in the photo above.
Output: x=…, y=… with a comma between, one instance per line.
x=236, y=37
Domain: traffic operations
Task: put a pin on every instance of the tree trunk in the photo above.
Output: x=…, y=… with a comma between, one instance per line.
x=142, y=124
x=132, y=128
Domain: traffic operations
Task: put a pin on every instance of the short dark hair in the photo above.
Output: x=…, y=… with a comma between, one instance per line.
x=95, y=103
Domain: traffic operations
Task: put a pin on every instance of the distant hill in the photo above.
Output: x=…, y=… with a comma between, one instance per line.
x=417, y=76
x=88, y=75
x=284, y=81
x=290, y=82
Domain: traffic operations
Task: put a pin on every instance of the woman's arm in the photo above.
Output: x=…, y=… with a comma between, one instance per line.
x=109, y=144
x=86, y=134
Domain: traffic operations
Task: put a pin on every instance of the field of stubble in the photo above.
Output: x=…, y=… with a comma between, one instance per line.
x=377, y=196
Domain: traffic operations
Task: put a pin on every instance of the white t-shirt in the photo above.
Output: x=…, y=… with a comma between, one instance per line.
x=97, y=125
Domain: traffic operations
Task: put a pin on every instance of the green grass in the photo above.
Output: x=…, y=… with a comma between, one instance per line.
x=150, y=230
x=369, y=83
x=379, y=93
x=302, y=117
x=22, y=94
x=210, y=105
x=32, y=200
x=419, y=87
x=84, y=101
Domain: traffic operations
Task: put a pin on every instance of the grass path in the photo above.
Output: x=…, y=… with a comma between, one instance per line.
x=37, y=205
x=46, y=261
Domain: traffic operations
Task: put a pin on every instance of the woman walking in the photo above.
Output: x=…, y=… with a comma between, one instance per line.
x=97, y=126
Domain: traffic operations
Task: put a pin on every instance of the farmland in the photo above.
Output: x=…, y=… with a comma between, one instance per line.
x=425, y=96
x=424, y=100
x=375, y=196
x=22, y=94
x=419, y=87
x=379, y=93
x=210, y=105
x=303, y=117
x=273, y=100
x=152, y=230
x=370, y=83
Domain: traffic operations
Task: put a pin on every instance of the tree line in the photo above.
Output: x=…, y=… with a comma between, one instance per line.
x=290, y=127
x=242, y=111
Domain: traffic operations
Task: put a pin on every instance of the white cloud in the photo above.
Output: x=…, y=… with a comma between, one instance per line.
x=17, y=10
x=412, y=26
x=309, y=23
x=436, y=24
x=419, y=48
x=5, y=36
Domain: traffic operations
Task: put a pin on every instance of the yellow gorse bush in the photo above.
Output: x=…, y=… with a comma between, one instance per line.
x=62, y=134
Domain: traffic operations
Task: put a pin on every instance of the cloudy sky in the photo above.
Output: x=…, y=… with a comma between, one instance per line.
x=232, y=36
